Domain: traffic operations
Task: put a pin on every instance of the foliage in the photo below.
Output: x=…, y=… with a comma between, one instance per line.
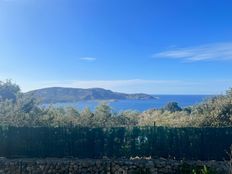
x=214, y=112
x=8, y=91
x=172, y=107
x=17, y=109
x=204, y=170
x=195, y=169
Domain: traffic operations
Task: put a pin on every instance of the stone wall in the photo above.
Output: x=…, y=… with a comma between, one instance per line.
x=105, y=166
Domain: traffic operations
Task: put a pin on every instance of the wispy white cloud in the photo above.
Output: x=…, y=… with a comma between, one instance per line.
x=89, y=59
x=209, y=52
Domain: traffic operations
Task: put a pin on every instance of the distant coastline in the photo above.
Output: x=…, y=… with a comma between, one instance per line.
x=66, y=95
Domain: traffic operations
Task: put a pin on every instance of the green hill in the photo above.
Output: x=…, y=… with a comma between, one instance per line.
x=58, y=95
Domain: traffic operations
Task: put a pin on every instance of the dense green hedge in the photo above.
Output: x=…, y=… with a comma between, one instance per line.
x=188, y=143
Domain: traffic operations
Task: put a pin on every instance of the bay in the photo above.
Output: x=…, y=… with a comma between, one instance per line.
x=139, y=105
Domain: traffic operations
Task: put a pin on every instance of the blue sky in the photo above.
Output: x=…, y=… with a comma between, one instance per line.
x=151, y=46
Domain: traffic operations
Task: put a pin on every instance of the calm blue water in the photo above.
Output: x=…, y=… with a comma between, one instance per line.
x=141, y=105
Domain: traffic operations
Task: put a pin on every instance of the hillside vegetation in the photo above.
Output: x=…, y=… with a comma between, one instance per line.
x=61, y=95
x=21, y=110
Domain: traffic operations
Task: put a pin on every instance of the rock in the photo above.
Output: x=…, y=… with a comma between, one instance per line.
x=122, y=166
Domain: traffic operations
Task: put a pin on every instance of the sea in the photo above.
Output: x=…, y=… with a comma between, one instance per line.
x=139, y=105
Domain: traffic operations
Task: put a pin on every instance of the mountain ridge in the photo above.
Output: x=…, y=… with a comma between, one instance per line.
x=64, y=95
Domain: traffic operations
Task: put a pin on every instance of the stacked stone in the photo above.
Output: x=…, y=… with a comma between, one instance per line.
x=102, y=166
